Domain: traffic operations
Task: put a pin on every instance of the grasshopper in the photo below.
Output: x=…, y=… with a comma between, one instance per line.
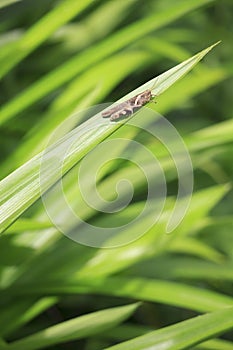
x=128, y=107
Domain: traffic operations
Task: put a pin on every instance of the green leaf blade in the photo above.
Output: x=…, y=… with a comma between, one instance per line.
x=76, y=328
x=23, y=187
x=184, y=334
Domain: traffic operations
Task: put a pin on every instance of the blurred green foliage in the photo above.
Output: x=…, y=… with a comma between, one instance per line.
x=59, y=57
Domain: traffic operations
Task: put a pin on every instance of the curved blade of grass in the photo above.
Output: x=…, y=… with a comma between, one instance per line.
x=129, y=331
x=159, y=291
x=195, y=247
x=182, y=335
x=22, y=188
x=22, y=225
x=182, y=268
x=77, y=328
x=203, y=271
x=5, y=3
x=94, y=54
x=17, y=314
x=215, y=344
x=211, y=136
x=60, y=14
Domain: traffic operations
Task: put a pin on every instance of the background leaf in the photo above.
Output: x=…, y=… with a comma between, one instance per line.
x=185, y=334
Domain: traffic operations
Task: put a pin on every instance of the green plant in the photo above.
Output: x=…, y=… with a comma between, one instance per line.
x=65, y=62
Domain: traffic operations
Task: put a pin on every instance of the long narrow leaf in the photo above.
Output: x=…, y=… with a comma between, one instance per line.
x=169, y=293
x=5, y=3
x=76, y=328
x=184, y=334
x=23, y=187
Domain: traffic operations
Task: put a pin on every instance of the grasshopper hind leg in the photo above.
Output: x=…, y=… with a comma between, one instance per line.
x=115, y=117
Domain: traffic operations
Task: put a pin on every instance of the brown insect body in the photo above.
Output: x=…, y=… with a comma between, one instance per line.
x=128, y=107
